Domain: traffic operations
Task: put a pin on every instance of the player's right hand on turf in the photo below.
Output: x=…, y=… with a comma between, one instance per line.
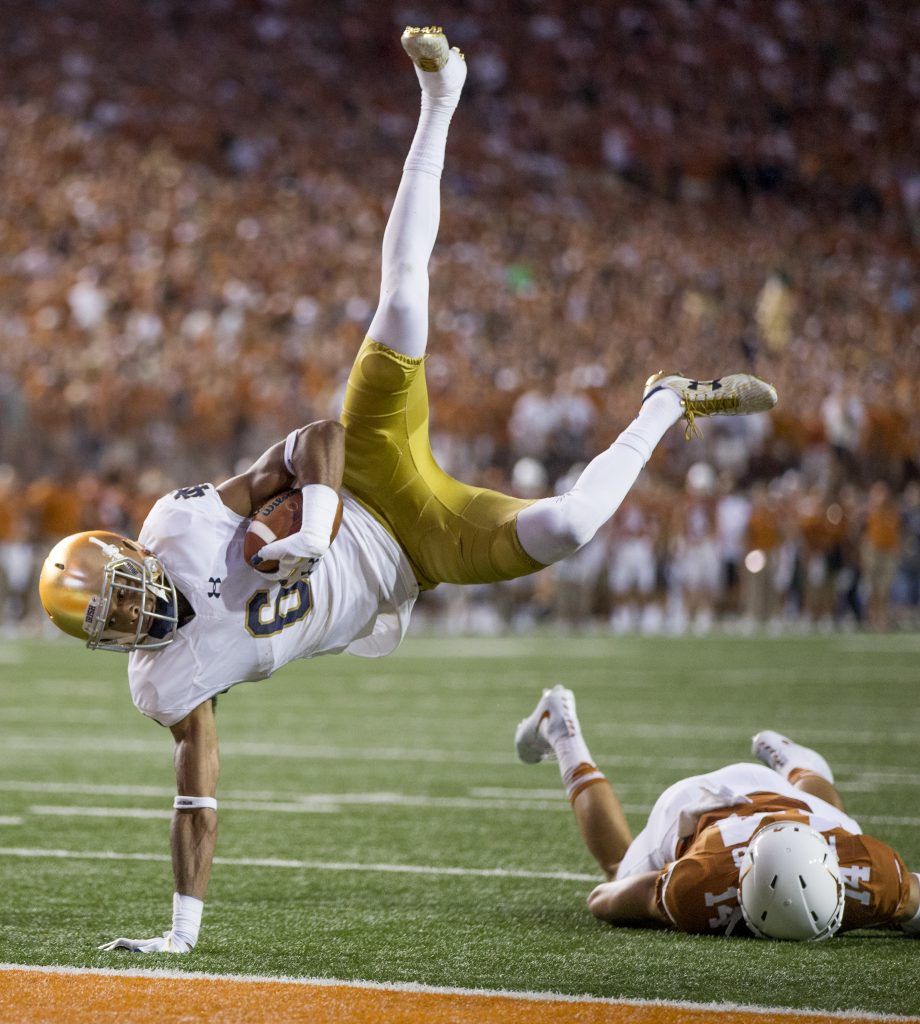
x=165, y=943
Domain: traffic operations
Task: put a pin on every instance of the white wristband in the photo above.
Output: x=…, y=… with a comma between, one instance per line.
x=191, y=803
x=289, y=443
x=320, y=505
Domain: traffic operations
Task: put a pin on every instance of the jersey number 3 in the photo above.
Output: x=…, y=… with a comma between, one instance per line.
x=266, y=616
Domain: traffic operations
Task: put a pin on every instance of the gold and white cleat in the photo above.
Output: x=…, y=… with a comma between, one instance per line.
x=737, y=394
x=428, y=47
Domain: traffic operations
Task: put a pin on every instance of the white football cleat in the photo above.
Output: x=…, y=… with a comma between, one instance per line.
x=783, y=755
x=553, y=717
x=737, y=394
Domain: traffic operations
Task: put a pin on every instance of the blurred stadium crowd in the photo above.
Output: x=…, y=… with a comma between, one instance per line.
x=192, y=206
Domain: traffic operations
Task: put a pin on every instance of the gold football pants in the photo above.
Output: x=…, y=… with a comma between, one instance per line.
x=451, y=532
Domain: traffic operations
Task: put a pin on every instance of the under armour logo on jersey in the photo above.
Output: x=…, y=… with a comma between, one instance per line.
x=214, y=582
x=191, y=492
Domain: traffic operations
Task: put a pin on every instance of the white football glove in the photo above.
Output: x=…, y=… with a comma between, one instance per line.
x=165, y=943
x=297, y=555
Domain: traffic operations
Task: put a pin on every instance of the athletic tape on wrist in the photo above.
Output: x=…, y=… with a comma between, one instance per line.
x=320, y=507
x=191, y=803
x=289, y=443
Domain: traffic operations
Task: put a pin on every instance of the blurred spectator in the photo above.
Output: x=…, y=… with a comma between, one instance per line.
x=759, y=567
x=843, y=415
x=880, y=552
x=908, y=578
x=696, y=565
x=632, y=574
x=18, y=575
x=820, y=554
x=733, y=512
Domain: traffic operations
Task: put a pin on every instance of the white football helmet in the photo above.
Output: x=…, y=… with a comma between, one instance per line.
x=79, y=581
x=789, y=884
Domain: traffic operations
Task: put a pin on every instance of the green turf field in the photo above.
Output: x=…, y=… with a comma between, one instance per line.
x=338, y=771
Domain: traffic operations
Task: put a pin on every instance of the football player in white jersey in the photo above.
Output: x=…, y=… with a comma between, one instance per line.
x=749, y=849
x=196, y=618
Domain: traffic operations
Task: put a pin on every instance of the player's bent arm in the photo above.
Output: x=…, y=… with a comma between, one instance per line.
x=628, y=901
x=317, y=457
x=194, y=831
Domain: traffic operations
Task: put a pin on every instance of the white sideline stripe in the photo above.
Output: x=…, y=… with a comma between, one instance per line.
x=304, y=865
x=444, y=990
x=10, y=819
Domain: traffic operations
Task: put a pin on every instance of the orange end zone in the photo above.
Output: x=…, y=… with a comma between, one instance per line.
x=33, y=996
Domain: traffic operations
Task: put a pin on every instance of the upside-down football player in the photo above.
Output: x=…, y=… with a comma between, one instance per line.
x=763, y=850
x=197, y=618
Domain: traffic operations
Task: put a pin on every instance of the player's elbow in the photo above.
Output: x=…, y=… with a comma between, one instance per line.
x=597, y=901
x=324, y=432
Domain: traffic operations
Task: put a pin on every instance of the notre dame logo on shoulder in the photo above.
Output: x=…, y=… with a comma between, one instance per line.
x=191, y=492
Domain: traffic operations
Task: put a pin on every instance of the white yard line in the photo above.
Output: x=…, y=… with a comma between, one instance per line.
x=100, y=812
x=333, y=803
x=887, y=819
x=268, y=751
x=321, y=803
x=443, y=990
x=302, y=865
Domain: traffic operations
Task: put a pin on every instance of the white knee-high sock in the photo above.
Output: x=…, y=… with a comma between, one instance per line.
x=401, y=320
x=576, y=766
x=554, y=528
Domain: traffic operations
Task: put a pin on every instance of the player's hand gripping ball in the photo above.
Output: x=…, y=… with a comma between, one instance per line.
x=277, y=518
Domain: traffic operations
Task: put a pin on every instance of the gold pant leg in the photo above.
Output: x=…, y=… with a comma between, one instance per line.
x=450, y=531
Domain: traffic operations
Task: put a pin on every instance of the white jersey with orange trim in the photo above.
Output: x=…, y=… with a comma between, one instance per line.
x=700, y=827
x=358, y=599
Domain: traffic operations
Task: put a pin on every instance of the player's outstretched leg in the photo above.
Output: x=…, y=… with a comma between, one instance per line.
x=554, y=528
x=552, y=732
x=803, y=767
x=401, y=320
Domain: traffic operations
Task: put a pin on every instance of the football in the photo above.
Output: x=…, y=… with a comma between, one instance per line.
x=278, y=517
